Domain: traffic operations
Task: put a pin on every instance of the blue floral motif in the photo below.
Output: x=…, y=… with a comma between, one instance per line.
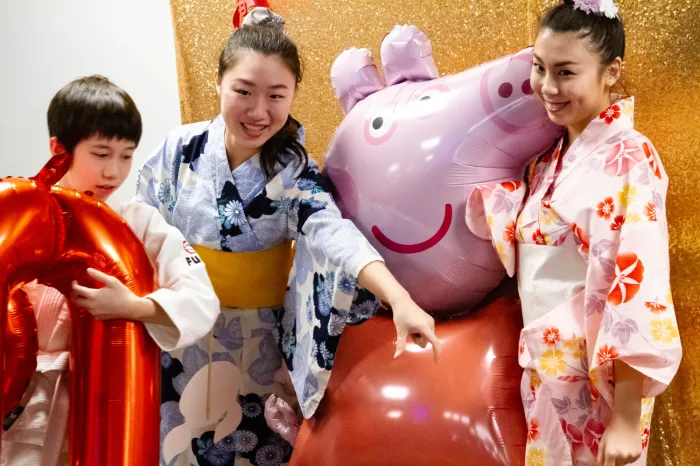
x=229, y=334
x=263, y=369
x=204, y=445
x=310, y=387
x=170, y=417
x=193, y=359
x=164, y=196
x=315, y=203
x=246, y=242
x=324, y=293
x=304, y=261
x=175, y=170
x=336, y=324
x=268, y=230
x=347, y=284
x=306, y=184
x=218, y=456
x=232, y=214
x=251, y=408
x=267, y=315
x=269, y=455
x=365, y=309
x=288, y=342
x=309, y=310
x=327, y=356
x=249, y=179
x=166, y=360
x=244, y=441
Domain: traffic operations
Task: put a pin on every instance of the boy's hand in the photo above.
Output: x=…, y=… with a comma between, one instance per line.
x=114, y=301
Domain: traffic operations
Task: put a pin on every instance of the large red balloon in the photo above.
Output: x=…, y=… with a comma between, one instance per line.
x=411, y=411
x=21, y=349
x=54, y=234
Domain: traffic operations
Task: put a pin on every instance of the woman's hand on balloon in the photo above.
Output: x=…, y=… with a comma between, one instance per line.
x=113, y=301
x=410, y=319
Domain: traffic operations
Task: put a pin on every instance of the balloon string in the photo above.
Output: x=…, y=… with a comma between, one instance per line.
x=211, y=350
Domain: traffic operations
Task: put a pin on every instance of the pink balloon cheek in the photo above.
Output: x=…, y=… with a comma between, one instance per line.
x=374, y=139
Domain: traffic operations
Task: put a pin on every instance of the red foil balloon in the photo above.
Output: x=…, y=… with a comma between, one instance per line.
x=21, y=348
x=55, y=234
x=411, y=411
x=243, y=7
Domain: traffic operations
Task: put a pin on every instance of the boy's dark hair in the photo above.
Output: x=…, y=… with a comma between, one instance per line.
x=269, y=40
x=606, y=34
x=91, y=106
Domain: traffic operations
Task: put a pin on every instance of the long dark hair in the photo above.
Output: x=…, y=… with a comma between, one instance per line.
x=269, y=40
x=606, y=34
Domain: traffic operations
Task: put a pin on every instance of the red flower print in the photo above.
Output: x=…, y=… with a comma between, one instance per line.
x=606, y=354
x=622, y=157
x=610, y=114
x=522, y=346
x=547, y=204
x=550, y=155
x=509, y=233
x=581, y=238
x=653, y=161
x=551, y=336
x=533, y=430
x=574, y=437
x=606, y=208
x=511, y=186
x=645, y=438
x=650, y=211
x=595, y=393
x=629, y=273
x=617, y=223
x=592, y=434
x=655, y=307
x=538, y=237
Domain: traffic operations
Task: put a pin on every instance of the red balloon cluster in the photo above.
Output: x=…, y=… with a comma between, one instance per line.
x=54, y=234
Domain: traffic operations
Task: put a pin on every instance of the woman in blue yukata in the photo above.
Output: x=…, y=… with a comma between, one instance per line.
x=242, y=189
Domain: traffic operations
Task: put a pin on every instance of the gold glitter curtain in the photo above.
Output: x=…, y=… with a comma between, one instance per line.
x=662, y=71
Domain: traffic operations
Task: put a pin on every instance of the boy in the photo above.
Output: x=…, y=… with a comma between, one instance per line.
x=98, y=123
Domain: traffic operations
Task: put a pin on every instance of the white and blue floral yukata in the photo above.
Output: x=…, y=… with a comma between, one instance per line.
x=189, y=180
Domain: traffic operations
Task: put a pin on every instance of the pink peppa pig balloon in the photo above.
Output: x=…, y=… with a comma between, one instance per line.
x=409, y=152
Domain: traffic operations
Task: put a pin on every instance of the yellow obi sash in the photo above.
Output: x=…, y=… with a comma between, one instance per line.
x=249, y=280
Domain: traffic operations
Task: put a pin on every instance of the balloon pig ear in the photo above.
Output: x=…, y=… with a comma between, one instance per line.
x=354, y=76
x=407, y=55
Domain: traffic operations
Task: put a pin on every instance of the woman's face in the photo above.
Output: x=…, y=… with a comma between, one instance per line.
x=568, y=78
x=256, y=97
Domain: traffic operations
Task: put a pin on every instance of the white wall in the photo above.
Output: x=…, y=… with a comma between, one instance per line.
x=44, y=44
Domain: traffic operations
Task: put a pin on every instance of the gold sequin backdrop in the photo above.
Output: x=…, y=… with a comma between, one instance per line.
x=662, y=71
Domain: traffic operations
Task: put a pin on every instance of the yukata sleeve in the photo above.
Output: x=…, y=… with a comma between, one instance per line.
x=157, y=180
x=323, y=296
x=492, y=214
x=628, y=311
x=185, y=292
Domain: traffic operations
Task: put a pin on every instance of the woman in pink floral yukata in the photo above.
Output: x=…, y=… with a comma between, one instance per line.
x=588, y=235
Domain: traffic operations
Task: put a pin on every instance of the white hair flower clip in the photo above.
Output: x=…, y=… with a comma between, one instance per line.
x=603, y=7
x=265, y=16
